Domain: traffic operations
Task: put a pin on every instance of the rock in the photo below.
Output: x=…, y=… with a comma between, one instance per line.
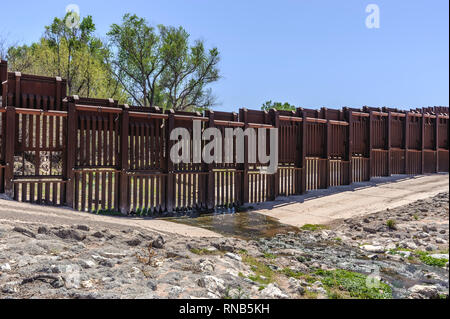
x=5, y=267
x=426, y=292
x=428, y=229
x=390, y=246
x=98, y=235
x=410, y=245
x=43, y=230
x=206, y=265
x=70, y=234
x=83, y=227
x=134, y=242
x=176, y=254
x=102, y=261
x=152, y=285
x=374, y=249
x=224, y=246
x=212, y=284
x=301, y=290
x=431, y=248
x=158, y=242
x=319, y=290
x=405, y=254
x=87, y=284
x=175, y=292
x=370, y=230
x=288, y=252
x=87, y=264
x=24, y=232
x=110, y=255
x=273, y=292
x=233, y=256
x=9, y=289
x=440, y=241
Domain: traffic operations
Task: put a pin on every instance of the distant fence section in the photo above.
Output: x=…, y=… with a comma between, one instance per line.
x=95, y=155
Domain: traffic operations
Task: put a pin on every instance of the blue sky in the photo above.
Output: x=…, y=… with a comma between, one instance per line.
x=308, y=53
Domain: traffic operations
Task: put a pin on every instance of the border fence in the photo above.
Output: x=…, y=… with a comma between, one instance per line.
x=96, y=155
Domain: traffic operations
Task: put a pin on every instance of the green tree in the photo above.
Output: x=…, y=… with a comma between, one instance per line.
x=189, y=70
x=269, y=105
x=160, y=67
x=72, y=53
x=136, y=60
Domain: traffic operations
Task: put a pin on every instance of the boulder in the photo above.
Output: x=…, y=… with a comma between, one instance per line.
x=425, y=292
x=273, y=292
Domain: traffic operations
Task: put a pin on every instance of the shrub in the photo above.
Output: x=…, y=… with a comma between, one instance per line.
x=391, y=224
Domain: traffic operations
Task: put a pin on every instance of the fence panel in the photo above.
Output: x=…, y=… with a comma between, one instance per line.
x=96, y=155
x=39, y=157
x=2, y=149
x=34, y=92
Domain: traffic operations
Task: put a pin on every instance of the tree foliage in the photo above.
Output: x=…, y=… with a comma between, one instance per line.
x=269, y=105
x=159, y=66
x=72, y=53
x=140, y=64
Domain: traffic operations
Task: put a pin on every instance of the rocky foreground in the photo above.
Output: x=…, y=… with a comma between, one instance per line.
x=398, y=253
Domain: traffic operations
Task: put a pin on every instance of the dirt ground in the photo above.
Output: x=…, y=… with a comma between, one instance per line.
x=316, y=207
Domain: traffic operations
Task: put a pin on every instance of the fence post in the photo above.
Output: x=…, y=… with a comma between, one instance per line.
x=210, y=183
x=238, y=177
x=298, y=155
x=70, y=151
x=124, y=203
x=18, y=91
x=3, y=71
x=10, y=141
x=350, y=145
x=437, y=141
x=370, y=144
x=389, y=143
x=303, y=153
x=4, y=93
x=243, y=116
x=423, y=143
x=407, y=143
x=170, y=187
x=58, y=94
x=327, y=147
x=275, y=187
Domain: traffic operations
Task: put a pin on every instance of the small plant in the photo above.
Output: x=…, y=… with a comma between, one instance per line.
x=352, y=284
x=263, y=274
x=288, y=272
x=147, y=260
x=431, y=261
x=270, y=256
x=310, y=227
x=107, y=212
x=391, y=224
x=416, y=217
